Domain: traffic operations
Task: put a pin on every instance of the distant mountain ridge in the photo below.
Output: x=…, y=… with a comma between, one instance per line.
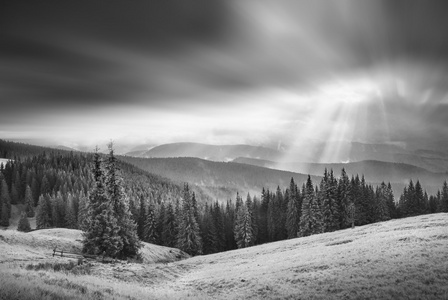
x=209, y=152
x=434, y=161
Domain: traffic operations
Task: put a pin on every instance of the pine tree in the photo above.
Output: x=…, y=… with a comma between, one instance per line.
x=6, y=204
x=244, y=234
x=344, y=200
x=43, y=219
x=141, y=219
x=209, y=233
x=293, y=217
x=83, y=207
x=70, y=217
x=218, y=221
x=102, y=235
x=443, y=207
x=160, y=216
x=29, y=202
x=263, y=228
x=150, y=229
x=120, y=207
x=188, y=238
x=169, y=227
x=311, y=219
x=24, y=224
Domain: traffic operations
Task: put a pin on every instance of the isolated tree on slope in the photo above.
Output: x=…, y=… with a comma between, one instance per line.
x=102, y=235
x=120, y=207
x=188, y=237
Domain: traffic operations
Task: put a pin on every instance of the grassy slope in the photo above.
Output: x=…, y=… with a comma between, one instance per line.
x=39, y=244
x=399, y=259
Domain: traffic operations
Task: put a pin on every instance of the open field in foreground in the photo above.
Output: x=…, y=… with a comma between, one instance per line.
x=398, y=259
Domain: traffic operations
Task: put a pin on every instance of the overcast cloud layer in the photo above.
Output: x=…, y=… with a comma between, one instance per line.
x=261, y=72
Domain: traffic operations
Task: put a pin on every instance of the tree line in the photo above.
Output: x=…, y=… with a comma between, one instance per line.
x=64, y=189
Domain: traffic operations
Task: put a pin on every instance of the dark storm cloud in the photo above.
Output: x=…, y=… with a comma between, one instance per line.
x=181, y=54
x=44, y=47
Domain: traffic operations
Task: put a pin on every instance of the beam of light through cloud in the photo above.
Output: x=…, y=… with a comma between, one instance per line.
x=306, y=76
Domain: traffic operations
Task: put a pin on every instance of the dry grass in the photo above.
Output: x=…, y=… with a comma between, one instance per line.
x=399, y=259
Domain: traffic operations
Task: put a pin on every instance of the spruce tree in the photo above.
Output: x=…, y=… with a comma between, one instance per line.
x=443, y=207
x=24, y=224
x=102, y=235
x=293, y=217
x=83, y=220
x=218, y=221
x=29, y=202
x=344, y=200
x=120, y=207
x=311, y=219
x=244, y=234
x=188, y=238
x=70, y=217
x=150, y=228
x=43, y=219
x=209, y=233
x=6, y=204
x=169, y=227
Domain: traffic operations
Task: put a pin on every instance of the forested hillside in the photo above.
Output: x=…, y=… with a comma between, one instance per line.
x=60, y=180
x=374, y=171
x=221, y=180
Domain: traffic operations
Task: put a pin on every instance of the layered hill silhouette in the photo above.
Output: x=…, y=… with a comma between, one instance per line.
x=218, y=179
x=209, y=152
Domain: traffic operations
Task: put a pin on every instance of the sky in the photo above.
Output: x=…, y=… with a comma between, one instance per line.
x=274, y=73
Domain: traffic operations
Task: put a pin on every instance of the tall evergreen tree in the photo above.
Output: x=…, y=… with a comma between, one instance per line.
x=443, y=207
x=29, y=202
x=6, y=204
x=83, y=208
x=188, y=238
x=209, y=233
x=70, y=216
x=169, y=227
x=43, y=219
x=263, y=215
x=311, y=219
x=218, y=221
x=102, y=235
x=120, y=207
x=244, y=233
x=150, y=234
x=344, y=199
x=293, y=211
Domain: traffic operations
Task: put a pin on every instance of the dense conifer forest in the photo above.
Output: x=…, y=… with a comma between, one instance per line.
x=57, y=187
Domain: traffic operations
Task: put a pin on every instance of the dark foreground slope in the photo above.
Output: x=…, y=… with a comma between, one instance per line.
x=398, y=259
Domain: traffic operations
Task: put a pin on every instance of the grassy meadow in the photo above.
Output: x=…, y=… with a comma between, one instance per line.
x=397, y=259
